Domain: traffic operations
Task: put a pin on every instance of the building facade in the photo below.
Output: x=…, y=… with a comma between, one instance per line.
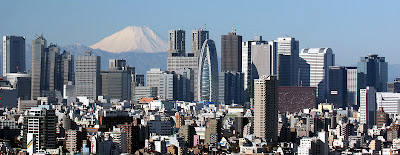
x=208, y=73
x=266, y=108
x=231, y=52
x=288, y=55
x=314, y=69
x=13, y=55
x=373, y=72
x=87, y=76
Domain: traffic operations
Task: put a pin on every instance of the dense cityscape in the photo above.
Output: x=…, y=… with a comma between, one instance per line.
x=269, y=97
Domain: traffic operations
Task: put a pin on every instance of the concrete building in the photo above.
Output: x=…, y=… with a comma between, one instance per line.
x=247, y=63
x=295, y=99
x=187, y=132
x=390, y=102
x=176, y=43
x=87, y=76
x=338, y=86
x=153, y=77
x=116, y=82
x=367, y=107
x=373, y=72
x=198, y=38
x=13, y=55
x=38, y=48
x=352, y=86
x=213, y=132
x=168, y=86
x=231, y=88
x=39, y=129
x=266, y=108
x=144, y=91
x=314, y=69
x=288, y=55
x=231, y=52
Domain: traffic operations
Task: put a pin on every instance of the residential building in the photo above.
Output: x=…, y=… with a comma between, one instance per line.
x=266, y=108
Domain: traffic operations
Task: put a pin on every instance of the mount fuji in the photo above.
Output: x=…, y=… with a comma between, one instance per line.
x=133, y=39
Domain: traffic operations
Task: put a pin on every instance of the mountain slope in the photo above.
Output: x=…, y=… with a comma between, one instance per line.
x=133, y=39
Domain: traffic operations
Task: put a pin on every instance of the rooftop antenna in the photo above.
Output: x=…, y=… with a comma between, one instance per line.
x=234, y=29
x=205, y=27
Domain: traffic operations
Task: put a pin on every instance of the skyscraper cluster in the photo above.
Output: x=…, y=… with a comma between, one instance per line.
x=268, y=97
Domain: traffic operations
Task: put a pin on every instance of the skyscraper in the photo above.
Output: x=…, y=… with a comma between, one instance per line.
x=352, y=86
x=337, y=86
x=87, y=76
x=176, y=43
x=288, y=55
x=231, y=52
x=13, y=54
x=314, y=69
x=116, y=82
x=266, y=108
x=198, y=38
x=39, y=45
x=373, y=72
x=368, y=106
x=263, y=60
x=246, y=62
x=230, y=88
x=208, y=73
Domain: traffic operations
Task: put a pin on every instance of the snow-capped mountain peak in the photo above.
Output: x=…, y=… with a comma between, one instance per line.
x=133, y=39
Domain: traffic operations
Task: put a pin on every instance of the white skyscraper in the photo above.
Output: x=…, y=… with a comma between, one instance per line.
x=314, y=69
x=368, y=106
x=288, y=56
x=390, y=102
x=87, y=76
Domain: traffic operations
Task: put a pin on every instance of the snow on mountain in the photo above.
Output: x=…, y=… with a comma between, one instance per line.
x=133, y=39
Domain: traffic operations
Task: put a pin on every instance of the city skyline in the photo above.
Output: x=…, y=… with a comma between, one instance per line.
x=345, y=28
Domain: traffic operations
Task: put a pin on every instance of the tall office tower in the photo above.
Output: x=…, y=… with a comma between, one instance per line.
x=208, y=73
x=266, y=108
x=373, y=72
x=176, y=43
x=288, y=56
x=263, y=60
x=213, y=132
x=116, y=82
x=230, y=88
x=13, y=55
x=338, y=86
x=87, y=75
x=185, y=90
x=39, y=45
x=231, y=52
x=367, y=107
x=174, y=64
x=51, y=69
x=39, y=129
x=67, y=66
x=153, y=77
x=246, y=62
x=352, y=86
x=314, y=69
x=198, y=38
x=168, y=86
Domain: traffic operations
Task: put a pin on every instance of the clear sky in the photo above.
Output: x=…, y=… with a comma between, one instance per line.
x=351, y=28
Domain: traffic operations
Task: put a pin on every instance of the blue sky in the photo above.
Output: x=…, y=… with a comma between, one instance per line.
x=351, y=28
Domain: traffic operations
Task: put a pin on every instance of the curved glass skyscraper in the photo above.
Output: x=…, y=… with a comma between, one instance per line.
x=208, y=73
